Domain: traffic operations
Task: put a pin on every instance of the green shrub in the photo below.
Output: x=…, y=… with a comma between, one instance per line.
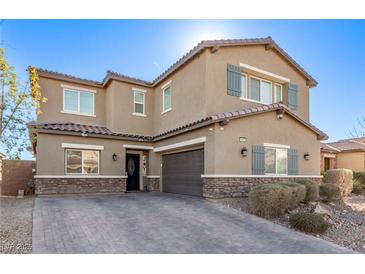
x=312, y=190
x=308, y=222
x=359, y=183
x=340, y=177
x=297, y=196
x=272, y=200
x=330, y=192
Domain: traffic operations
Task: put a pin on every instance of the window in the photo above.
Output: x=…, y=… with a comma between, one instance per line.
x=82, y=161
x=139, y=105
x=78, y=102
x=276, y=160
x=266, y=92
x=166, y=99
x=243, y=86
x=255, y=89
x=278, y=93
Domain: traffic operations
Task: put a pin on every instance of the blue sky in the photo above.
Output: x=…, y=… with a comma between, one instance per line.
x=332, y=51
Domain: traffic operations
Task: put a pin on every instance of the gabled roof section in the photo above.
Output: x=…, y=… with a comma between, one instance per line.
x=268, y=41
x=67, y=77
x=226, y=117
x=110, y=75
x=346, y=145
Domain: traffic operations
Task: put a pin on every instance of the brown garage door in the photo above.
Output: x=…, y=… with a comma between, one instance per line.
x=181, y=172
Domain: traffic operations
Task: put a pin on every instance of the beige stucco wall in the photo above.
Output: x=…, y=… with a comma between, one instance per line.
x=222, y=149
x=52, y=90
x=156, y=168
x=260, y=129
x=351, y=160
x=259, y=57
x=51, y=156
x=188, y=97
x=120, y=108
x=199, y=89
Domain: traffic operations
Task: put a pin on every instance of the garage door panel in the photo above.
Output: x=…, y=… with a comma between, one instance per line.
x=181, y=172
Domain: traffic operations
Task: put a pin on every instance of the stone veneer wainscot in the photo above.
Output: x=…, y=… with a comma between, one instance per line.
x=74, y=185
x=236, y=187
x=153, y=183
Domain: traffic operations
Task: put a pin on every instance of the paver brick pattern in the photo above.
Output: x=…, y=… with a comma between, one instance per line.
x=159, y=223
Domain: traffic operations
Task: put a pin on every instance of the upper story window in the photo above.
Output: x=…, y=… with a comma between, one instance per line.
x=244, y=85
x=82, y=161
x=166, y=97
x=278, y=93
x=139, y=102
x=79, y=102
x=260, y=90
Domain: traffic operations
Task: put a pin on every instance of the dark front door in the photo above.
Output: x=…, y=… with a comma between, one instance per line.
x=132, y=168
x=326, y=164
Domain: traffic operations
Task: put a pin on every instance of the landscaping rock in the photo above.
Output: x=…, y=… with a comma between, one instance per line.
x=322, y=209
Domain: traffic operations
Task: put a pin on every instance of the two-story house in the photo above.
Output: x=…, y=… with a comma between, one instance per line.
x=228, y=115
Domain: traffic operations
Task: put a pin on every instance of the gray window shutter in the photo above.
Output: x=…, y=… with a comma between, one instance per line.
x=292, y=162
x=258, y=160
x=233, y=80
x=293, y=96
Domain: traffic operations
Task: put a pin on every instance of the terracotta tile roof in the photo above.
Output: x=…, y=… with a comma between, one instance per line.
x=58, y=75
x=226, y=116
x=115, y=75
x=188, y=56
x=87, y=129
x=232, y=42
x=327, y=147
x=352, y=144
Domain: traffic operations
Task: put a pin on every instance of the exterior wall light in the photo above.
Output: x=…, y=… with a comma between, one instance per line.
x=115, y=157
x=280, y=114
x=242, y=139
x=244, y=151
x=307, y=156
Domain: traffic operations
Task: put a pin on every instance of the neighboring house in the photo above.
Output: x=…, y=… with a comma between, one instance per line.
x=346, y=153
x=228, y=115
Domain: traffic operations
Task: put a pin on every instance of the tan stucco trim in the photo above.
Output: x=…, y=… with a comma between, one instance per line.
x=181, y=144
x=82, y=146
x=79, y=176
x=138, y=147
x=153, y=176
x=257, y=176
x=265, y=72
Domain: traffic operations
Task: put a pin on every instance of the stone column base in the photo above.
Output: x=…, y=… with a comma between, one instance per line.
x=153, y=183
x=237, y=187
x=79, y=185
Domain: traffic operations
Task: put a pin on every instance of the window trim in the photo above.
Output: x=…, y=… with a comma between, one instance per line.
x=143, y=92
x=164, y=87
x=281, y=93
x=82, y=162
x=247, y=89
x=261, y=80
x=276, y=147
x=78, y=112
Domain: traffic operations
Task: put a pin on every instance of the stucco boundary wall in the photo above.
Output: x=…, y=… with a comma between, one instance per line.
x=215, y=187
x=15, y=175
x=82, y=185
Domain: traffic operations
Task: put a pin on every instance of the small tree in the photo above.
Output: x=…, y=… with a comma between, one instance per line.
x=359, y=130
x=18, y=104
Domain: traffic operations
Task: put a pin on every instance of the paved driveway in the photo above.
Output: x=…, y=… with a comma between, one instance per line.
x=159, y=223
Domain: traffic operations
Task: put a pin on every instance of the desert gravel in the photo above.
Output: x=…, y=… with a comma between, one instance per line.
x=16, y=225
x=347, y=220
